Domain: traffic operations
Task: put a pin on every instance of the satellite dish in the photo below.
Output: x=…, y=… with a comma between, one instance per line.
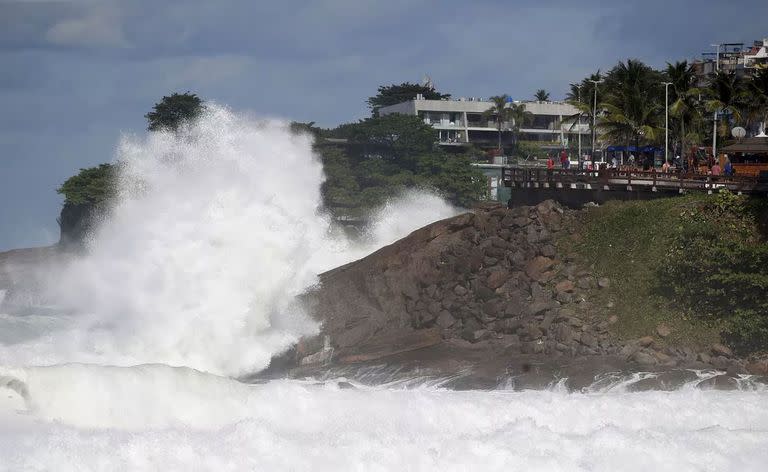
x=738, y=132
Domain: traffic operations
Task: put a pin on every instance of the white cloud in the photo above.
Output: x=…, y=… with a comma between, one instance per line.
x=98, y=27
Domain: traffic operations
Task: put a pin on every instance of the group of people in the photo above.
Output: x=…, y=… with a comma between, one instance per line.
x=565, y=161
x=646, y=163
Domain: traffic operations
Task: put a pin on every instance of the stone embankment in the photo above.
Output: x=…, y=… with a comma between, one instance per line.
x=492, y=275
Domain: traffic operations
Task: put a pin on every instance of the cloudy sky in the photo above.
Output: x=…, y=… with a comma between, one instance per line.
x=75, y=74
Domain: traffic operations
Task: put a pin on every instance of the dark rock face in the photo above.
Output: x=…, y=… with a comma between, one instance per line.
x=489, y=275
x=476, y=276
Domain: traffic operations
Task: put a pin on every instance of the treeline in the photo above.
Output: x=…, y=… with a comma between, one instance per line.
x=631, y=103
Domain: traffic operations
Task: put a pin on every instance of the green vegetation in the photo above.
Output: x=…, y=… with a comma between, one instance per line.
x=541, y=95
x=171, y=111
x=382, y=156
x=631, y=104
x=503, y=111
x=718, y=266
x=93, y=185
x=697, y=263
x=393, y=94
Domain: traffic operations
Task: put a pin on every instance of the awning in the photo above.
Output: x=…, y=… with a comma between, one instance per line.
x=752, y=145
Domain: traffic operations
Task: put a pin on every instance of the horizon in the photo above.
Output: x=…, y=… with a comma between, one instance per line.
x=80, y=74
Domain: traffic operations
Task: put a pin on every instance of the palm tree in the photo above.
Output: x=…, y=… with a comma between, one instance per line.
x=541, y=95
x=632, y=103
x=580, y=97
x=684, y=103
x=726, y=95
x=758, y=89
x=520, y=116
x=500, y=112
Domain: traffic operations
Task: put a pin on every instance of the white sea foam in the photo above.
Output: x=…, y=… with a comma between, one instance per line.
x=217, y=229
x=155, y=417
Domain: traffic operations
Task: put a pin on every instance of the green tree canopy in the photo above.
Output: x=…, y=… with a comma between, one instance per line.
x=173, y=110
x=93, y=185
x=398, y=93
x=384, y=156
x=541, y=95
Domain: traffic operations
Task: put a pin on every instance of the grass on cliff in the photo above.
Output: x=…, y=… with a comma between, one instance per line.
x=629, y=242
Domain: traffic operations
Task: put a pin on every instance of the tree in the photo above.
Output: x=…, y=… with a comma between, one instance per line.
x=93, y=185
x=395, y=137
x=499, y=112
x=541, y=95
x=726, y=96
x=171, y=111
x=520, y=116
x=383, y=156
x=580, y=96
x=504, y=111
x=632, y=103
x=684, y=103
x=394, y=94
x=758, y=89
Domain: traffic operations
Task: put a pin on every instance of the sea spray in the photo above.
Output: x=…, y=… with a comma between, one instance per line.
x=216, y=229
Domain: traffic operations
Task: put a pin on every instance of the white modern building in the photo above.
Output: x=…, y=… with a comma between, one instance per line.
x=463, y=120
x=757, y=56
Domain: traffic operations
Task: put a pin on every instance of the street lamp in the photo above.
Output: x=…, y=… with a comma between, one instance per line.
x=578, y=128
x=594, y=115
x=666, y=121
x=714, y=117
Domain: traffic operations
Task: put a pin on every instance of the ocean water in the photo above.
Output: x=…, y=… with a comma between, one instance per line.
x=128, y=357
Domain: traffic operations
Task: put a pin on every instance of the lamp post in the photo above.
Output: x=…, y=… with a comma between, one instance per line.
x=666, y=121
x=714, y=116
x=594, y=115
x=578, y=129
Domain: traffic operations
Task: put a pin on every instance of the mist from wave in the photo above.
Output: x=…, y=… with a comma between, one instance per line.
x=216, y=230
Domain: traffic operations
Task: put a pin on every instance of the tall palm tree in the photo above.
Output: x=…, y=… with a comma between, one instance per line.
x=632, y=103
x=581, y=97
x=500, y=112
x=541, y=95
x=726, y=95
x=684, y=103
x=758, y=90
x=520, y=116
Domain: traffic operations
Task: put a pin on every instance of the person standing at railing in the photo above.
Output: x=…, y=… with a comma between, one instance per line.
x=550, y=166
x=665, y=167
x=564, y=162
x=716, y=168
x=728, y=168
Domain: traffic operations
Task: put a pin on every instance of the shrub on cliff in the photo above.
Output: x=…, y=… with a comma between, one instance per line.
x=717, y=265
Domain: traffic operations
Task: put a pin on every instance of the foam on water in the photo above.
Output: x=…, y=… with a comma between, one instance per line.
x=79, y=417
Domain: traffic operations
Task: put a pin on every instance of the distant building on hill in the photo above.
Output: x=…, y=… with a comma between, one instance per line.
x=462, y=122
x=732, y=57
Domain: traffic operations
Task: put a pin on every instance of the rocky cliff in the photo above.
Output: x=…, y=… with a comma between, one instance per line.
x=492, y=275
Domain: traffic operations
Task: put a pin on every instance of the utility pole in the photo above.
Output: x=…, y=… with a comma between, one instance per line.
x=714, y=117
x=578, y=128
x=594, y=116
x=666, y=121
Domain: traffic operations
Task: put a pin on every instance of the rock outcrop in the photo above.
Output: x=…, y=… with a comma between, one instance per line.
x=494, y=273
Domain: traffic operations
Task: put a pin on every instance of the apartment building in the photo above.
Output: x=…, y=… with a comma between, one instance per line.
x=463, y=121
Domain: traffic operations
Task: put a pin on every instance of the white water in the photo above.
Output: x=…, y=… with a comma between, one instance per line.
x=199, y=270
x=214, y=236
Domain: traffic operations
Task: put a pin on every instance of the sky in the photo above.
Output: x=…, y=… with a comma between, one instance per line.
x=75, y=75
